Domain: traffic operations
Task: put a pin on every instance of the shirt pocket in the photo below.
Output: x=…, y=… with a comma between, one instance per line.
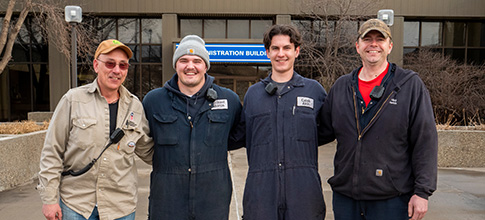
x=217, y=130
x=84, y=132
x=128, y=143
x=165, y=131
x=305, y=122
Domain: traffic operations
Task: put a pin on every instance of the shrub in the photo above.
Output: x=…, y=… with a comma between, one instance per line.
x=22, y=127
x=456, y=90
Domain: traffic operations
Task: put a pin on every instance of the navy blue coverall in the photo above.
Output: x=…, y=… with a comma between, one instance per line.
x=282, y=149
x=190, y=177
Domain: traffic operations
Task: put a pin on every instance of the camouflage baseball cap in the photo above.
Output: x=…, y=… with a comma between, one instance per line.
x=374, y=25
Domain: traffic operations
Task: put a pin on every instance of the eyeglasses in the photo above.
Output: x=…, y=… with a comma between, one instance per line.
x=112, y=64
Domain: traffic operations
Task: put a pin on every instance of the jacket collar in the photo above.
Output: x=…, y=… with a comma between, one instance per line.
x=295, y=81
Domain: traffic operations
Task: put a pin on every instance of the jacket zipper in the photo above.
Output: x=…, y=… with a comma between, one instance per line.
x=356, y=116
x=375, y=115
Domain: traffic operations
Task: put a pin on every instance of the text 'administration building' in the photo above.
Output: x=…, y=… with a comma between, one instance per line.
x=38, y=75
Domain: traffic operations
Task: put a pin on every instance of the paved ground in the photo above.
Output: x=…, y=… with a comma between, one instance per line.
x=460, y=194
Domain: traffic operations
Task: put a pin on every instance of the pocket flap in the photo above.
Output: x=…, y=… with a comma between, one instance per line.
x=165, y=118
x=84, y=123
x=218, y=117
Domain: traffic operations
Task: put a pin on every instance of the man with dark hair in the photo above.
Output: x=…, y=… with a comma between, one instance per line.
x=190, y=120
x=382, y=118
x=280, y=115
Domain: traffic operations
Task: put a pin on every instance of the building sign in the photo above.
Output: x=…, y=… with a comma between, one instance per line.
x=237, y=53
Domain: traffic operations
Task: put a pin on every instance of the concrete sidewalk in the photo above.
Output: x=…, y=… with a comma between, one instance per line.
x=460, y=194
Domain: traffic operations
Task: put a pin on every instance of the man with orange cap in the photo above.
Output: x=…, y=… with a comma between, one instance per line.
x=73, y=183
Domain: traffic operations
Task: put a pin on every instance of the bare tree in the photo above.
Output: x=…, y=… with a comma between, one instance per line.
x=8, y=34
x=456, y=89
x=330, y=28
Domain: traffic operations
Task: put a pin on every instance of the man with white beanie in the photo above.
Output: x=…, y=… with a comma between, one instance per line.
x=191, y=120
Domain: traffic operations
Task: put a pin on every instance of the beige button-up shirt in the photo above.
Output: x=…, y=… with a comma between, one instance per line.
x=78, y=132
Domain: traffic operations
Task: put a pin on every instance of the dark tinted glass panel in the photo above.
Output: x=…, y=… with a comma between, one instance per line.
x=41, y=87
x=456, y=54
x=454, y=34
x=151, y=54
x=85, y=74
x=151, y=78
x=476, y=56
x=132, y=81
x=136, y=53
x=20, y=91
x=476, y=34
x=20, y=53
x=40, y=52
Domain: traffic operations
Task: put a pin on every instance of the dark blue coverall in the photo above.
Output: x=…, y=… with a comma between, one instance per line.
x=190, y=177
x=282, y=149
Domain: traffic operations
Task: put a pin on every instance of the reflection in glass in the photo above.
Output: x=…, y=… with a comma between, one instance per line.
x=151, y=78
x=151, y=54
x=305, y=28
x=105, y=28
x=430, y=34
x=238, y=29
x=136, y=53
x=190, y=26
x=151, y=31
x=476, y=34
x=128, y=30
x=454, y=34
x=132, y=81
x=85, y=74
x=258, y=27
x=214, y=28
x=411, y=33
x=20, y=91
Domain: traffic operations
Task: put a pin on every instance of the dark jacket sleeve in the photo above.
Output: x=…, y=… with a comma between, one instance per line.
x=238, y=131
x=423, y=140
x=325, y=130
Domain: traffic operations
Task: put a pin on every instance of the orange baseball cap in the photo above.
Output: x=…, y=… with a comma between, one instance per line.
x=109, y=45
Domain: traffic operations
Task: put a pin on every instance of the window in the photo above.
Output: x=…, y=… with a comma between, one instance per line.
x=25, y=81
x=225, y=28
x=462, y=41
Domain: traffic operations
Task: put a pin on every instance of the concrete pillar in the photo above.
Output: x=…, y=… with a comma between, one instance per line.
x=59, y=74
x=169, y=37
x=397, y=31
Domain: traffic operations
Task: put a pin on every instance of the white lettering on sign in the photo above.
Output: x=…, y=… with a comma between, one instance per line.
x=220, y=104
x=304, y=102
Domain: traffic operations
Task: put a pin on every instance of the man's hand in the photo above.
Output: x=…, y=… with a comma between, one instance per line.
x=52, y=211
x=417, y=207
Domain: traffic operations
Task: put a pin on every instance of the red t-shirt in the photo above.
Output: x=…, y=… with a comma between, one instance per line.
x=365, y=87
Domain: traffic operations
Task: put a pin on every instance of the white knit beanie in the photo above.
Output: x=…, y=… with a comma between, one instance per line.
x=192, y=45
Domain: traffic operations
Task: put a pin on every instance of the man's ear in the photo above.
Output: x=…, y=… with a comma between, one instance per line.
x=95, y=65
x=297, y=51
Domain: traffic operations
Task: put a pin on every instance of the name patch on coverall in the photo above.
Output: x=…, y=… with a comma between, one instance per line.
x=220, y=104
x=304, y=102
